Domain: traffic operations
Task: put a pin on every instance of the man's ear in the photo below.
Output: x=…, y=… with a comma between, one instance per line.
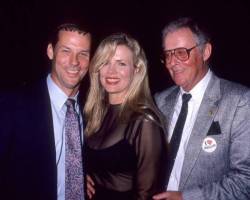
x=50, y=51
x=207, y=51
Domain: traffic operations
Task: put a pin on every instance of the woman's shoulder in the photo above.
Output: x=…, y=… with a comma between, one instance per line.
x=147, y=114
x=147, y=124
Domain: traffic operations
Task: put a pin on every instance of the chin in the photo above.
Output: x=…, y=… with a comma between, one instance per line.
x=111, y=91
x=73, y=81
x=179, y=82
x=72, y=85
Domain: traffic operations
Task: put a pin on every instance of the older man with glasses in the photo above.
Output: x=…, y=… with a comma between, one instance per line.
x=207, y=120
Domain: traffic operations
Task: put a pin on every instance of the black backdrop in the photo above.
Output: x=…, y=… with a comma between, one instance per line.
x=25, y=26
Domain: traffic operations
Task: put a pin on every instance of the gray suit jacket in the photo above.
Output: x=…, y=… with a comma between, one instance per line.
x=223, y=174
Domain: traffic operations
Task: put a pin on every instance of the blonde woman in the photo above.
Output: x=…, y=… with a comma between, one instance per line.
x=126, y=146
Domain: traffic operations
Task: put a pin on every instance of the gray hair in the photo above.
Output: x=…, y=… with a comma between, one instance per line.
x=200, y=35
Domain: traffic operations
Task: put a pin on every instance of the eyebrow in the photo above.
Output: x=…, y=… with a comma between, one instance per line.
x=120, y=60
x=83, y=50
x=87, y=51
x=165, y=50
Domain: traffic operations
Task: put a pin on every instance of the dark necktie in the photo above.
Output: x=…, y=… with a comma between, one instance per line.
x=73, y=155
x=178, y=129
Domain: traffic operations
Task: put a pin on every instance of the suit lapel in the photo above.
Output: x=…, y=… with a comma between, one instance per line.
x=169, y=105
x=205, y=117
x=43, y=107
x=45, y=132
x=51, y=140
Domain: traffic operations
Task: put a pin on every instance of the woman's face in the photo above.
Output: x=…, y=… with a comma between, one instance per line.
x=117, y=74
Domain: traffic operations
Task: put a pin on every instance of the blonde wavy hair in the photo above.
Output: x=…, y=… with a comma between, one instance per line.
x=138, y=96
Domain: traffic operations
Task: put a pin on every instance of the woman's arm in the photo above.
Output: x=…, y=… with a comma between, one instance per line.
x=151, y=149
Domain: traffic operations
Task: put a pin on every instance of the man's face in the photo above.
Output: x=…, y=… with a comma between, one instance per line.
x=70, y=60
x=187, y=73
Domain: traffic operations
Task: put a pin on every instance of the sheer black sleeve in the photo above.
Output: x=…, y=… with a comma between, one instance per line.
x=151, y=150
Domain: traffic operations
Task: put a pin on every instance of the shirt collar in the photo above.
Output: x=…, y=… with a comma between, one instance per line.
x=199, y=89
x=57, y=96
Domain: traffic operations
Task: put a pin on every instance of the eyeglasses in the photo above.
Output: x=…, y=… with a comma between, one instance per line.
x=181, y=54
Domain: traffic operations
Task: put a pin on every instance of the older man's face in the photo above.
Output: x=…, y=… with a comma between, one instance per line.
x=186, y=73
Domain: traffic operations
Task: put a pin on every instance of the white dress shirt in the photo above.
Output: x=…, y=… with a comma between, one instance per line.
x=58, y=99
x=193, y=106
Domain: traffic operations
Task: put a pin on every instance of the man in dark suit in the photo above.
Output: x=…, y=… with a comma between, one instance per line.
x=32, y=132
x=207, y=119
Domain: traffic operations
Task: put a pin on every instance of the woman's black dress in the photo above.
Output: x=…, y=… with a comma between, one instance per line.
x=127, y=160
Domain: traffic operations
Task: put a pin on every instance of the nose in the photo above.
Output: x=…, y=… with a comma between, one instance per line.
x=111, y=68
x=173, y=60
x=74, y=60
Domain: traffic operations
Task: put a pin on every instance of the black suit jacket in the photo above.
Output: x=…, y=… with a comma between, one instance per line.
x=27, y=148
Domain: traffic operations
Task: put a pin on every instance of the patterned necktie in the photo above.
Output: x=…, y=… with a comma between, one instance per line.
x=178, y=129
x=73, y=155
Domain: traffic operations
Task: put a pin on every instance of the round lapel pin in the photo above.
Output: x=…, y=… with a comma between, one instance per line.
x=209, y=145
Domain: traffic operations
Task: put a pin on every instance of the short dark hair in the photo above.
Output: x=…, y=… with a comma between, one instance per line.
x=199, y=32
x=81, y=29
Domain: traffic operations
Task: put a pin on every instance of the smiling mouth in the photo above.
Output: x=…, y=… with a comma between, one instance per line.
x=178, y=71
x=112, y=80
x=72, y=72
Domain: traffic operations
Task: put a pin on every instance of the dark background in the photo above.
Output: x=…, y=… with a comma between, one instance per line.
x=25, y=26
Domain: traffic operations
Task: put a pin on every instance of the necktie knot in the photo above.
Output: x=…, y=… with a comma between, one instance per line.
x=186, y=97
x=70, y=103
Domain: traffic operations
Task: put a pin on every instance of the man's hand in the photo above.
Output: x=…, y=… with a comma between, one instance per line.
x=90, y=187
x=169, y=195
